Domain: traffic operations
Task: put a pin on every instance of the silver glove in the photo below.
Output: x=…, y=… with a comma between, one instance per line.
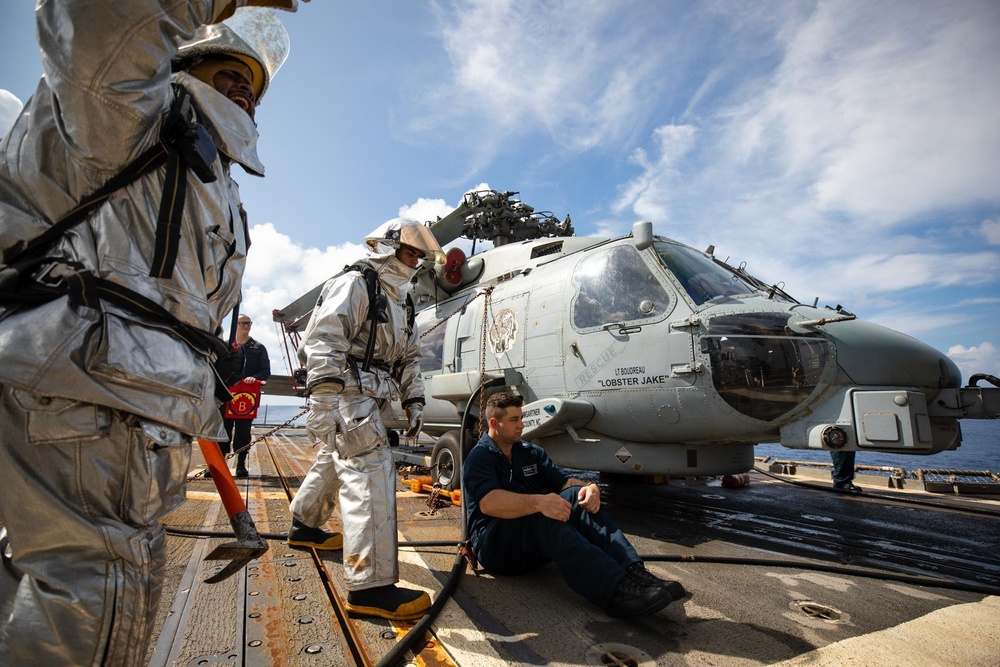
x=415, y=415
x=324, y=419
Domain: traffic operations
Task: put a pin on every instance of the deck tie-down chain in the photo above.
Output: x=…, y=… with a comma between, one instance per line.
x=434, y=501
x=204, y=473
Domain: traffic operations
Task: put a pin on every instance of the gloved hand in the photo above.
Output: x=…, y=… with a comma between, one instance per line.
x=324, y=419
x=287, y=5
x=415, y=415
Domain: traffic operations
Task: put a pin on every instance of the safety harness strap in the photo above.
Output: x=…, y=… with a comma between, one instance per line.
x=377, y=304
x=168, y=221
x=148, y=161
x=184, y=144
x=374, y=316
x=86, y=289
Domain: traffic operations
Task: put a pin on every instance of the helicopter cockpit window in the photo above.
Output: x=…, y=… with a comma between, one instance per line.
x=700, y=277
x=616, y=286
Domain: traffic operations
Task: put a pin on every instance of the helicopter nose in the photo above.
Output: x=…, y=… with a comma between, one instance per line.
x=884, y=396
x=875, y=356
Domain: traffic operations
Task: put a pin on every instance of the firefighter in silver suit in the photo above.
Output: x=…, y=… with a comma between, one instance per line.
x=350, y=382
x=107, y=326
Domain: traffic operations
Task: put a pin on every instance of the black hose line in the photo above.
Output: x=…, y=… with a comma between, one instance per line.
x=225, y=534
x=992, y=379
x=406, y=641
x=399, y=649
x=836, y=569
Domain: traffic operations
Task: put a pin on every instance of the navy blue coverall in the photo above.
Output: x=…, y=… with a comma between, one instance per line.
x=590, y=550
x=843, y=467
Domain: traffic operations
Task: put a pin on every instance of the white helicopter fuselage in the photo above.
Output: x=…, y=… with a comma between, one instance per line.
x=656, y=360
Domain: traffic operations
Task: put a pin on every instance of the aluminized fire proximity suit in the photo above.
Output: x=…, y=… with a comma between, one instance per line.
x=359, y=465
x=98, y=405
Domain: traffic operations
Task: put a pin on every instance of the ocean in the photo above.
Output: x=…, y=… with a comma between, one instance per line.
x=273, y=415
x=980, y=448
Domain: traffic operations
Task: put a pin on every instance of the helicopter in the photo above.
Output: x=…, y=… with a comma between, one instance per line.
x=644, y=356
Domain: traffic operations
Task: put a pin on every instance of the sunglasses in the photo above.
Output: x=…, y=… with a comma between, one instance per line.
x=245, y=324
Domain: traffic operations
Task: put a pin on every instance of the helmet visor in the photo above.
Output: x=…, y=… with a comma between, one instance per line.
x=419, y=237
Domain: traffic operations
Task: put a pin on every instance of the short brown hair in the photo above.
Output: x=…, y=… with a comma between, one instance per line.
x=500, y=401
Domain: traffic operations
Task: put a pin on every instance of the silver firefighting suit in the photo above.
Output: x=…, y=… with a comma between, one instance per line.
x=97, y=405
x=358, y=464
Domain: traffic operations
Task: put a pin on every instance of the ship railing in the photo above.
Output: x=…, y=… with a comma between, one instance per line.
x=932, y=480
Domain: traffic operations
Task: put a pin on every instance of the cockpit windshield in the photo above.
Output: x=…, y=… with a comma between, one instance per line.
x=615, y=286
x=700, y=277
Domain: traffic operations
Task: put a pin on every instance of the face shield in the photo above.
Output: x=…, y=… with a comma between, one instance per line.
x=254, y=36
x=389, y=236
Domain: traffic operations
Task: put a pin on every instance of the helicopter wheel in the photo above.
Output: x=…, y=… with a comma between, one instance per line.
x=444, y=461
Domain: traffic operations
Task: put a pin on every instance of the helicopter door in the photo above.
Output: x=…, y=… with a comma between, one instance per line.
x=468, y=336
x=446, y=320
x=505, y=332
x=548, y=307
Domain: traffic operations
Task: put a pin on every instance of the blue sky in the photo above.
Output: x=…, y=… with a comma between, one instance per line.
x=850, y=150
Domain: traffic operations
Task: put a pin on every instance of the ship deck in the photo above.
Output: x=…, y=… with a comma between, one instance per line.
x=779, y=573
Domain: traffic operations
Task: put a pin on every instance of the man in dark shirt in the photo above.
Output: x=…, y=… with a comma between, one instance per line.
x=524, y=511
x=253, y=366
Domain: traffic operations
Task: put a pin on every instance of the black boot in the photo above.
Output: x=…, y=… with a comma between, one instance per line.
x=633, y=598
x=391, y=602
x=847, y=486
x=241, y=465
x=639, y=571
x=301, y=535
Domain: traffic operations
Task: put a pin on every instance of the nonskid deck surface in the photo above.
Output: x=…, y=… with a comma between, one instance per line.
x=285, y=607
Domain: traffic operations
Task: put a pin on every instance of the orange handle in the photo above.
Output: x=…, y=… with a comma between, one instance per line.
x=224, y=482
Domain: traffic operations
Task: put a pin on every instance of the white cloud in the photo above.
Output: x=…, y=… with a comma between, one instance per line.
x=648, y=195
x=886, y=108
x=880, y=273
x=982, y=358
x=10, y=107
x=991, y=230
x=278, y=272
x=277, y=261
x=878, y=111
x=581, y=71
x=978, y=302
x=426, y=210
x=916, y=324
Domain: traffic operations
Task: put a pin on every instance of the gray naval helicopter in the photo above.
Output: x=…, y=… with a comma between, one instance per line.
x=641, y=355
